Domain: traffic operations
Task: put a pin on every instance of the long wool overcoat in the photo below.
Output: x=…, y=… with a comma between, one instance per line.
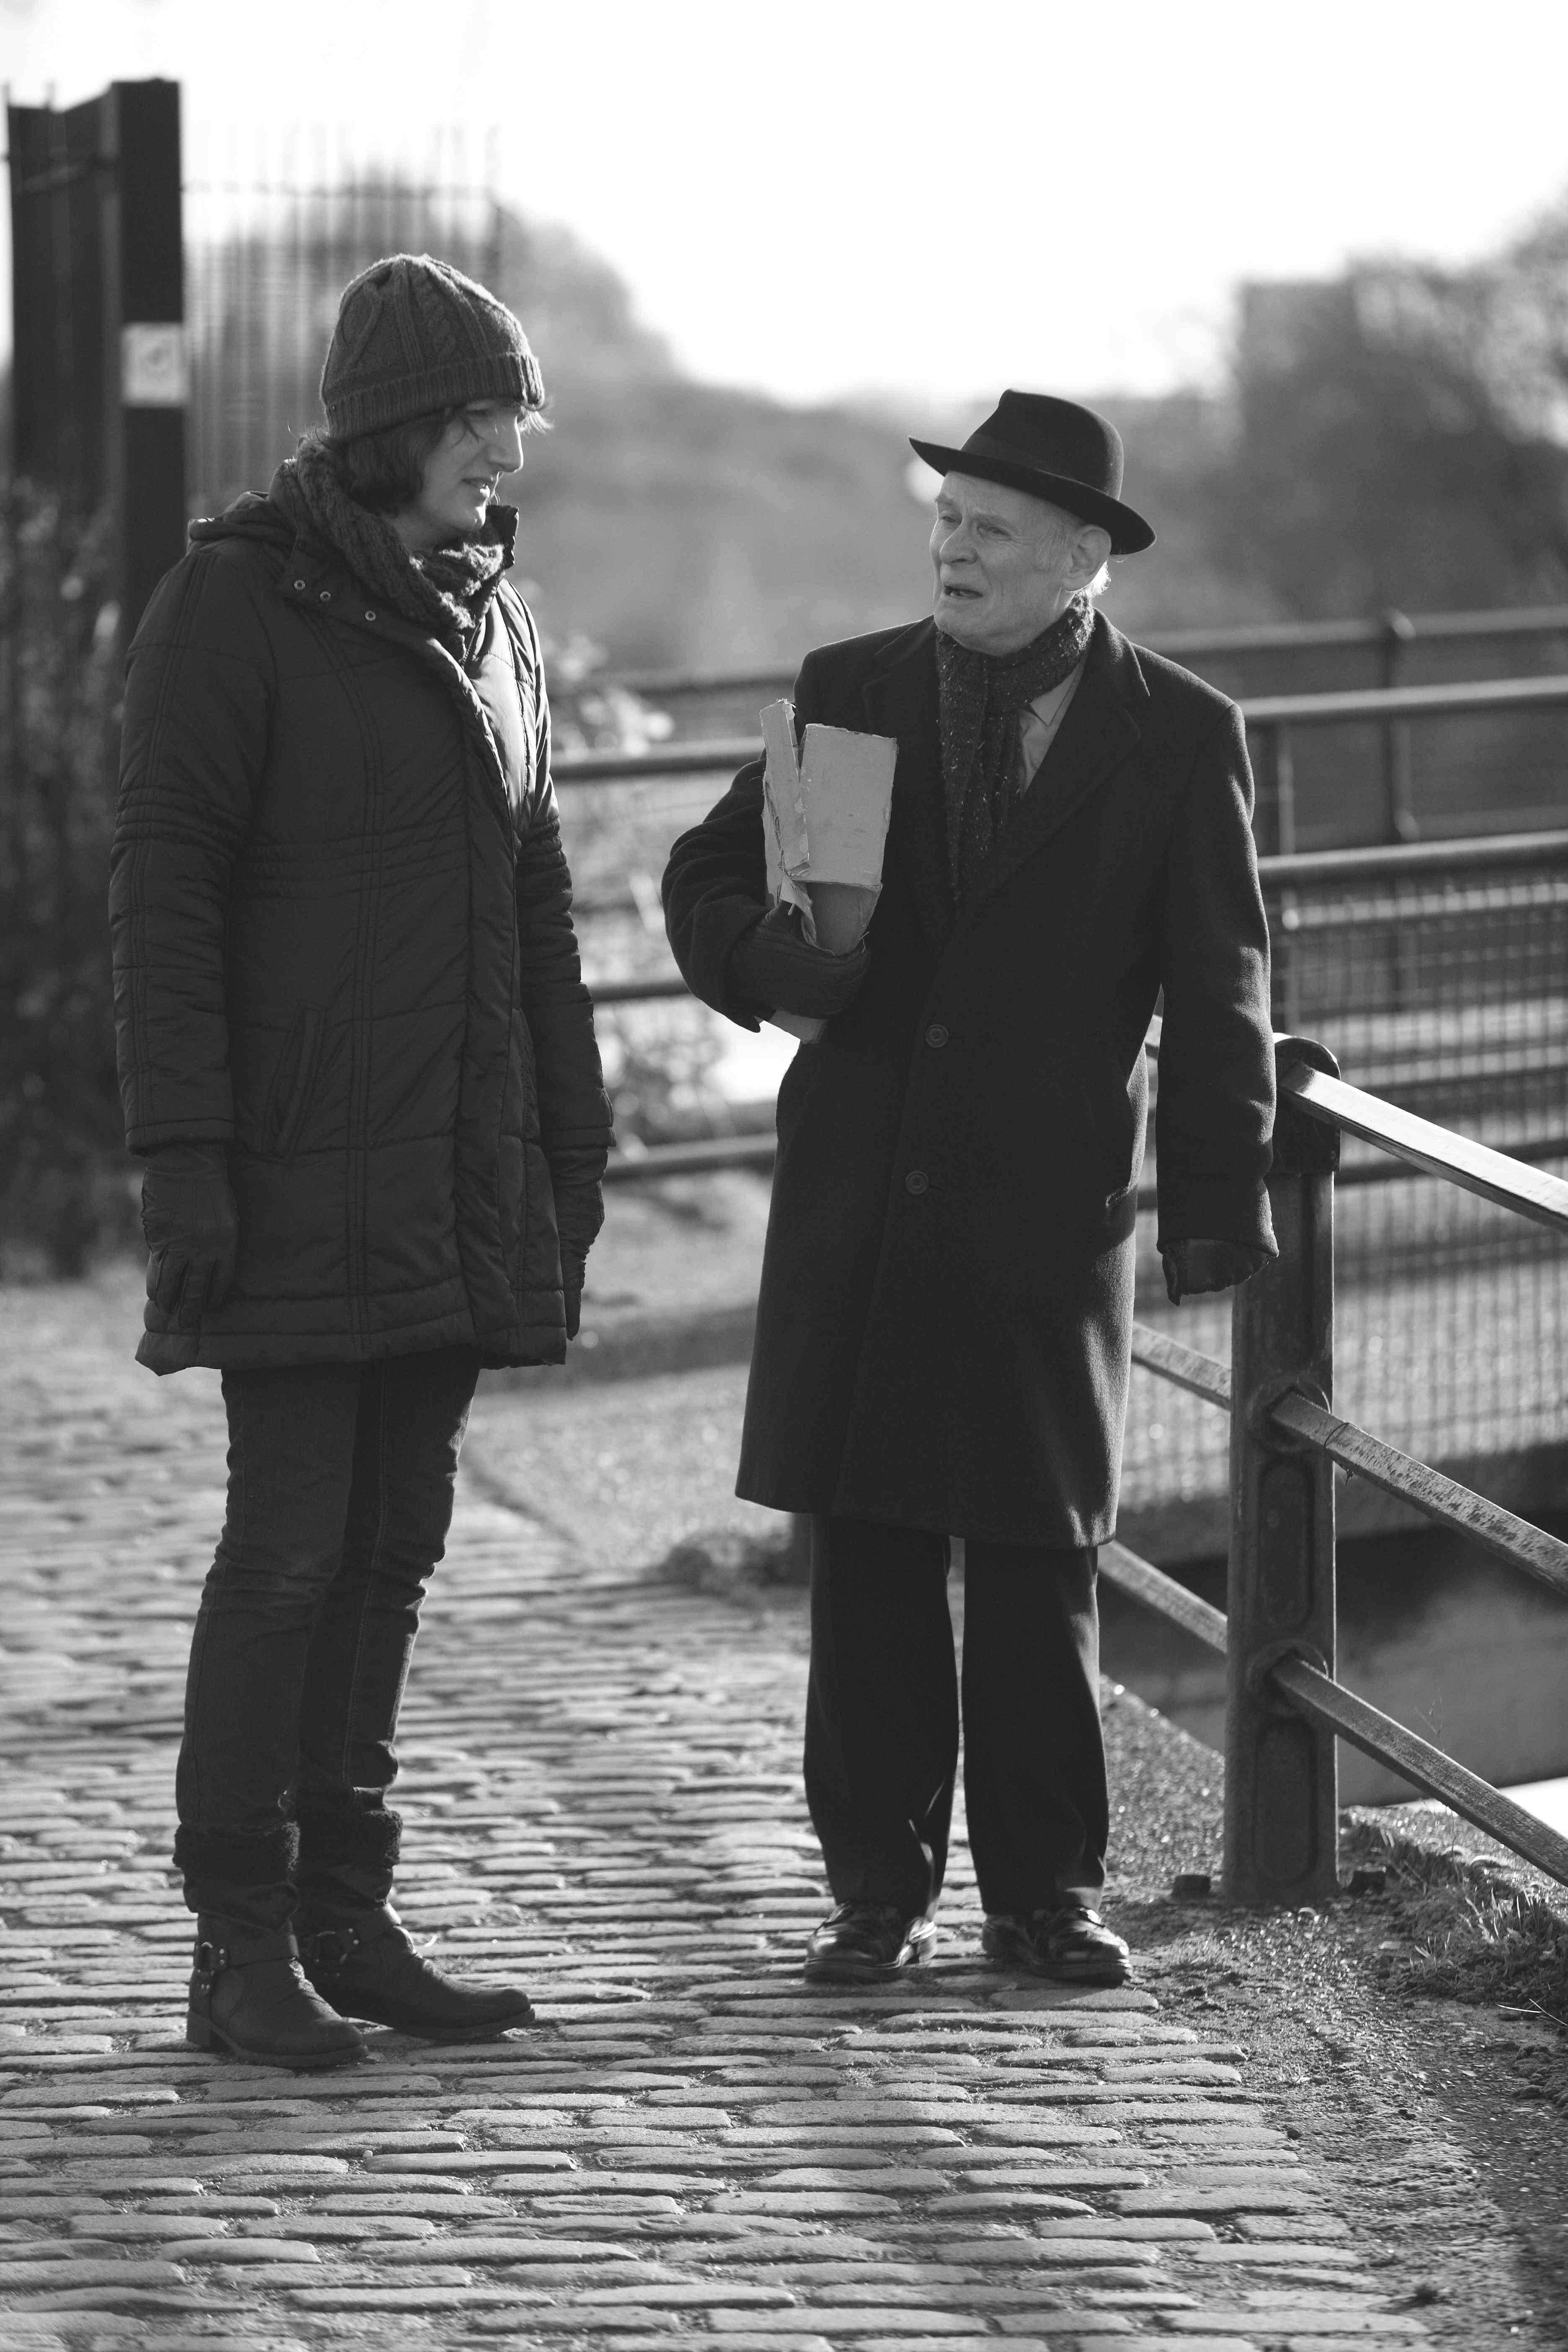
x=343, y=949
x=942, y=1330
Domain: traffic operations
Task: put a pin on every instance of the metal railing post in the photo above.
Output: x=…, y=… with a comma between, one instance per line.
x=1398, y=631
x=1281, y=1828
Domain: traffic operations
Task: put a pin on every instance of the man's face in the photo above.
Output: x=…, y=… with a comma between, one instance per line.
x=463, y=473
x=1002, y=560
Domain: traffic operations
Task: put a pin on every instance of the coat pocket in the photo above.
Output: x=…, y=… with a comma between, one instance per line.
x=1115, y=1112
x=293, y=1083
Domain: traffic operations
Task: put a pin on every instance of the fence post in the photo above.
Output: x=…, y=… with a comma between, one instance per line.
x=148, y=402
x=1281, y=1825
x=1398, y=631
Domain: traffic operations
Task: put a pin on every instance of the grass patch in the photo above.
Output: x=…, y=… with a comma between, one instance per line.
x=1470, y=1938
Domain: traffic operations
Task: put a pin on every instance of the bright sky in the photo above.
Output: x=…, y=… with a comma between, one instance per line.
x=819, y=196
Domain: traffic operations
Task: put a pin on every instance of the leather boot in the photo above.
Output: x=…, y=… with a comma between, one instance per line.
x=367, y=1967
x=249, y=1998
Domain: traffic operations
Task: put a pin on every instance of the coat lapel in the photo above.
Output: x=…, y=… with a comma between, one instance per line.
x=901, y=701
x=1096, y=735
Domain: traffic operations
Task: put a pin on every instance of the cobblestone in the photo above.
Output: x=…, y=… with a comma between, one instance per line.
x=691, y=2145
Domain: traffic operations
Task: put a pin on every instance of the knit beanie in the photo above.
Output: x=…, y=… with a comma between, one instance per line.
x=413, y=335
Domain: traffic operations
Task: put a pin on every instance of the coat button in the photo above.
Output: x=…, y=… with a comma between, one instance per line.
x=370, y=616
x=299, y=583
x=917, y=1180
x=325, y=595
x=937, y=1034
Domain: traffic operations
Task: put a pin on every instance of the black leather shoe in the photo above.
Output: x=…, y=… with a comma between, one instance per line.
x=248, y=1996
x=868, y=1942
x=1071, y=1943
x=369, y=1968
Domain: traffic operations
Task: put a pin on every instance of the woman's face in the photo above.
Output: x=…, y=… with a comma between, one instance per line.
x=463, y=473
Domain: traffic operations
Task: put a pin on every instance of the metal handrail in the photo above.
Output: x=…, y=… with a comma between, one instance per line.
x=1393, y=632
x=1401, y=862
x=1385, y=702
x=707, y=756
x=1508, y=1182
x=1266, y=713
x=1411, y=860
x=700, y=1158
x=1277, y=1634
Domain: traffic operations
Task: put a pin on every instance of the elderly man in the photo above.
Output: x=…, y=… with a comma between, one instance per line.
x=943, y=1332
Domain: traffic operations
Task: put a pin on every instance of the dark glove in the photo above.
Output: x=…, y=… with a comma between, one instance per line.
x=192, y=1230
x=775, y=966
x=579, y=1214
x=1192, y=1267
x=573, y=1267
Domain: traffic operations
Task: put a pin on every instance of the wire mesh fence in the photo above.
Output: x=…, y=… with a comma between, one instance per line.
x=274, y=229
x=1446, y=993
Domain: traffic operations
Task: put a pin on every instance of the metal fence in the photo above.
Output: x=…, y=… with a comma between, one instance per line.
x=1287, y=1436
x=1339, y=766
x=1386, y=649
x=1439, y=974
x=274, y=229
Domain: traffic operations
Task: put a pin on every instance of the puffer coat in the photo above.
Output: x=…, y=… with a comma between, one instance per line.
x=343, y=949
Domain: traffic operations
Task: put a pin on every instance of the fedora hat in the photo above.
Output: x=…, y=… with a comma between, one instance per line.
x=1052, y=449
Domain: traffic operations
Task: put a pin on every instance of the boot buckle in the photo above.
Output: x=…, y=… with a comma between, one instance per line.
x=331, y=1948
x=208, y=1960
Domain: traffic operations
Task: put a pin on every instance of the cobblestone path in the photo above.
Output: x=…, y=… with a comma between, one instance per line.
x=602, y=1796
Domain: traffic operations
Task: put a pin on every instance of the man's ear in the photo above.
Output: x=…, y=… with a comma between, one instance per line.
x=1089, y=551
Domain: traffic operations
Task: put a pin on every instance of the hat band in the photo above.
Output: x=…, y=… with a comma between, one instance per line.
x=1007, y=453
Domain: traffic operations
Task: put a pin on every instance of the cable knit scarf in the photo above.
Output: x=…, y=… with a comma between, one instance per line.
x=981, y=697
x=447, y=591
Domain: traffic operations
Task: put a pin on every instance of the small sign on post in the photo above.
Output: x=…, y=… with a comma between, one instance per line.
x=154, y=370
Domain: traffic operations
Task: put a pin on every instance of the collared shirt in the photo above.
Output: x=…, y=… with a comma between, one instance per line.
x=1037, y=725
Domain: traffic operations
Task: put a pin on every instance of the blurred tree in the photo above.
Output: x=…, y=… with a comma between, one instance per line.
x=1398, y=437
x=66, y=1187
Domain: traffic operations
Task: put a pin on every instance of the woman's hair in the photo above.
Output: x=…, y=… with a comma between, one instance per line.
x=385, y=470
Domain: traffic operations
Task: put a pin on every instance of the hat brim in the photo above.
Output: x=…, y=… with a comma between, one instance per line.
x=1129, y=535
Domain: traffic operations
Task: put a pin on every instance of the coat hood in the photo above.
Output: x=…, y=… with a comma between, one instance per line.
x=250, y=516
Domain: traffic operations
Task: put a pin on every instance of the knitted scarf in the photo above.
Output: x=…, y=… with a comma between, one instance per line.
x=981, y=696
x=446, y=591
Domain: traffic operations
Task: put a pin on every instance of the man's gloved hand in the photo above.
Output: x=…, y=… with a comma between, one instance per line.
x=192, y=1230
x=775, y=967
x=579, y=1214
x=1192, y=1267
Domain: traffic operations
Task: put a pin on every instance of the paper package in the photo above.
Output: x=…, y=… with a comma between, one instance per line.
x=825, y=827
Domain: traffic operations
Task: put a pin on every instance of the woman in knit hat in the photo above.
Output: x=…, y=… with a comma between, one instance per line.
x=358, y=1058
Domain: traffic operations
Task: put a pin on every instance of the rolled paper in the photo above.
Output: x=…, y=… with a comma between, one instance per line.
x=847, y=793
x=783, y=816
x=825, y=827
x=842, y=913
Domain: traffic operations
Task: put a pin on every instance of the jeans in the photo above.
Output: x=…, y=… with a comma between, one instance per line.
x=341, y=1484
x=882, y=1718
